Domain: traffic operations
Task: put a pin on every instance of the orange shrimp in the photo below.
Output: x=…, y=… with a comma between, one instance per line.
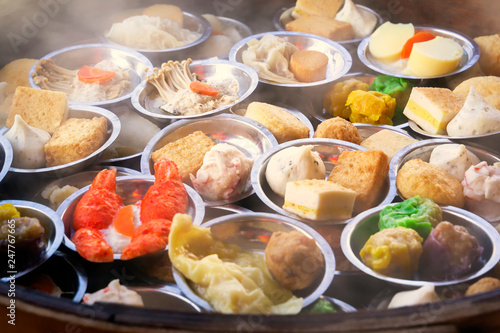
x=90, y=244
x=167, y=196
x=99, y=204
x=148, y=238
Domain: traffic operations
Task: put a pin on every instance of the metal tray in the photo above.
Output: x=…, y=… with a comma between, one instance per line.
x=469, y=58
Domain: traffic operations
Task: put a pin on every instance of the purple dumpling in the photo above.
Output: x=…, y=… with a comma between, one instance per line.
x=449, y=252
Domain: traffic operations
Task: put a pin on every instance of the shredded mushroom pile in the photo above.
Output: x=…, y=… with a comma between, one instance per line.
x=53, y=77
x=172, y=81
x=50, y=76
x=171, y=77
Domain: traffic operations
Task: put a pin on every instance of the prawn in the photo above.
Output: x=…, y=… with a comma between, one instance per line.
x=91, y=245
x=167, y=196
x=148, y=238
x=99, y=204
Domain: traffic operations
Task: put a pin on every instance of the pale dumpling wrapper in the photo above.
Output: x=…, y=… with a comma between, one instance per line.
x=291, y=164
x=422, y=295
x=454, y=158
x=476, y=117
x=270, y=57
x=230, y=279
x=150, y=33
x=27, y=144
x=114, y=293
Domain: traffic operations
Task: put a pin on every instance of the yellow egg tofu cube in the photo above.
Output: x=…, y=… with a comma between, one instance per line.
x=318, y=199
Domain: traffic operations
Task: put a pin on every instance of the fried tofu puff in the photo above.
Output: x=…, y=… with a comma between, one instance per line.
x=338, y=128
x=293, y=259
x=417, y=177
x=482, y=286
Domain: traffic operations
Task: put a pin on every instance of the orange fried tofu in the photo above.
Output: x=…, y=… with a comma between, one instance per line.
x=43, y=109
x=364, y=172
x=76, y=138
x=187, y=152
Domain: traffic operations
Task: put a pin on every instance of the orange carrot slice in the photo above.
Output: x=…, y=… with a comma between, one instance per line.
x=203, y=89
x=89, y=74
x=417, y=38
x=124, y=221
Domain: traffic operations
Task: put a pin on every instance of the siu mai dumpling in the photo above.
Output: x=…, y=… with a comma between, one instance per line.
x=475, y=118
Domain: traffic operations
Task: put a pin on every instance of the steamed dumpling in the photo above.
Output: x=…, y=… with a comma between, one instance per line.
x=269, y=56
x=27, y=144
x=449, y=252
x=454, y=159
x=393, y=252
x=482, y=190
x=422, y=295
x=475, y=118
x=291, y=164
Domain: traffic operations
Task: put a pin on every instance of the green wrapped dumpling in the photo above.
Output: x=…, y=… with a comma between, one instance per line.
x=418, y=213
x=395, y=87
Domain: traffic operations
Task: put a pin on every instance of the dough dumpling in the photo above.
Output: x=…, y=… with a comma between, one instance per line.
x=291, y=164
x=150, y=33
x=27, y=144
x=477, y=117
x=453, y=158
x=270, y=56
x=449, y=252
